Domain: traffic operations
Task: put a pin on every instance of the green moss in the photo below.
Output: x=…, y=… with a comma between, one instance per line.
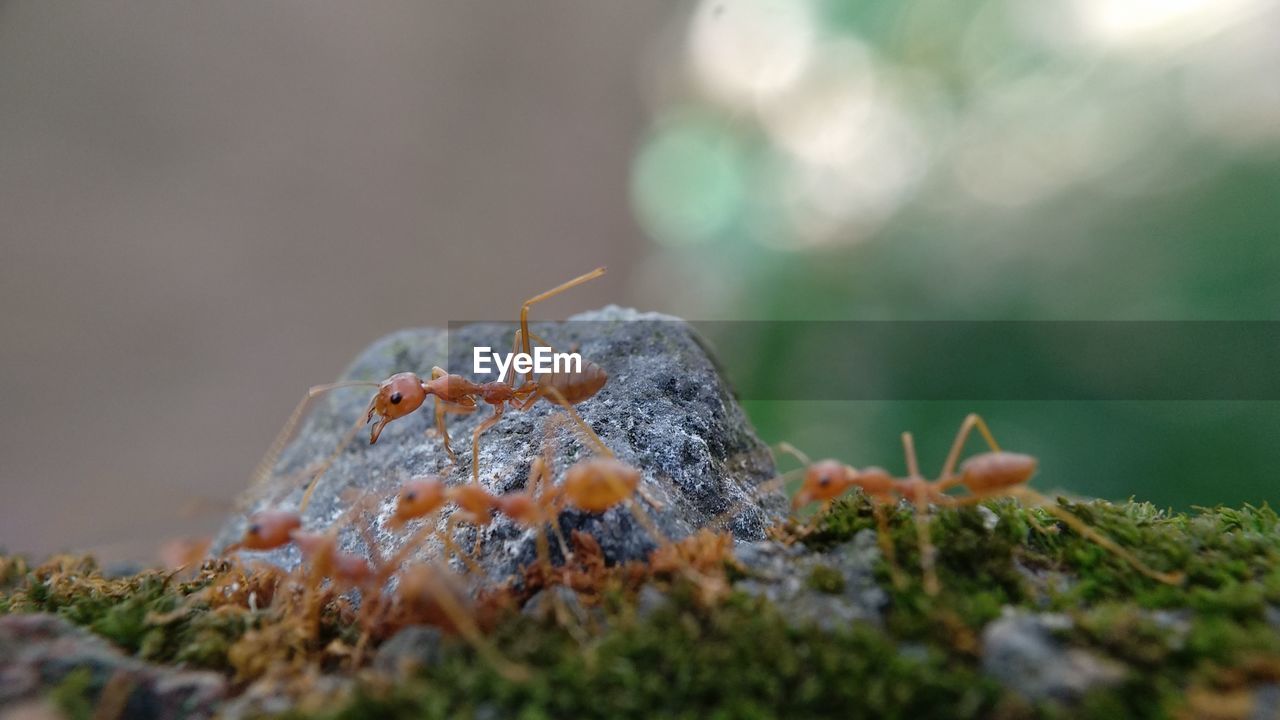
x=733, y=656
x=150, y=614
x=826, y=579
x=741, y=660
x=74, y=696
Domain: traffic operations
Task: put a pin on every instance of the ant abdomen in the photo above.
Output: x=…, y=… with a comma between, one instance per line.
x=574, y=387
x=995, y=470
x=599, y=484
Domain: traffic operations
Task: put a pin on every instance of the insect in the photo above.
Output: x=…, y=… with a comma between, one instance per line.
x=598, y=484
x=405, y=392
x=424, y=497
x=420, y=586
x=267, y=530
x=538, y=505
x=985, y=476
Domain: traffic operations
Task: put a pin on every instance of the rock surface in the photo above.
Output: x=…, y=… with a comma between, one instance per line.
x=1020, y=650
x=831, y=589
x=664, y=410
x=38, y=651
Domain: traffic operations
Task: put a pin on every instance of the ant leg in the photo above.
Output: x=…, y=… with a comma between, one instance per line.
x=268, y=462
x=524, y=309
x=428, y=529
x=446, y=538
x=470, y=631
x=545, y=475
x=439, y=430
x=557, y=397
x=909, y=448
x=946, y=478
x=1078, y=525
x=885, y=538
x=475, y=440
x=645, y=521
x=452, y=547
x=641, y=516
x=560, y=538
x=324, y=466
x=768, y=486
x=921, y=503
x=925, y=542
x=794, y=452
x=444, y=431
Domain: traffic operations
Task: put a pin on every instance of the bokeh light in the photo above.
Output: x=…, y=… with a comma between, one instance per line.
x=687, y=183
x=746, y=51
x=1003, y=159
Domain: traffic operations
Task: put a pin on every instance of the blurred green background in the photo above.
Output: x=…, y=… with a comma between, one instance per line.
x=942, y=160
x=210, y=207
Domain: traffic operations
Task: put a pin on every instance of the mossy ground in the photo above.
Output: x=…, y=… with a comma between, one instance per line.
x=714, y=652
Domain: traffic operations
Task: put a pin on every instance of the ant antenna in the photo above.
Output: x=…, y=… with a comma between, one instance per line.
x=524, y=309
x=946, y=478
x=794, y=452
x=268, y=462
x=324, y=466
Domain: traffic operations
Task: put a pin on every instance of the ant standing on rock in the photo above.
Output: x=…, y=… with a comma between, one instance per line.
x=403, y=393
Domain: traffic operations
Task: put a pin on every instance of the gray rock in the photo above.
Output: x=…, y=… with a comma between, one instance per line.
x=1020, y=651
x=38, y=651
x=664, y=410
x=784, y=575
x=273, y=696
x=1266, y=703
x=543, y=603
x=649, y=601
x=410, y=649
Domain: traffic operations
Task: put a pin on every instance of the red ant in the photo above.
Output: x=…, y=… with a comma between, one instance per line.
x=273, y=529
x=405, y=392
x=984, y=476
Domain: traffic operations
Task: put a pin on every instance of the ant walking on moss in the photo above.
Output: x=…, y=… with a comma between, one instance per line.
x=993, y=474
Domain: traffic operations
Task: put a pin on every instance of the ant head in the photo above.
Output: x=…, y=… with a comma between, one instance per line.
x=397, y=396
x=823, y=480
x=270, y=529
x=599, y=484
x=418, y=497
